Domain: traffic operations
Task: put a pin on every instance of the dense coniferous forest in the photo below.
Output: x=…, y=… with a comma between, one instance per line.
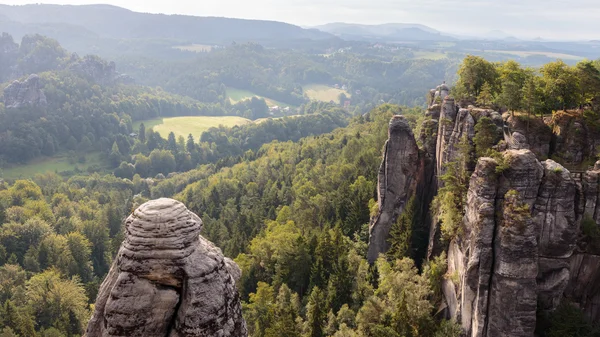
x=289, y=198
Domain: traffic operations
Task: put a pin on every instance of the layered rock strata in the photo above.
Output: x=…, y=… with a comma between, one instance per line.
x=167, y=280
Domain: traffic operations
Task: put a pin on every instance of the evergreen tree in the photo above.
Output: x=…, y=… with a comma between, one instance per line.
x=190, y=145
x=172, y=143
x=316, y=314
x=115, y=155
x=142, y=133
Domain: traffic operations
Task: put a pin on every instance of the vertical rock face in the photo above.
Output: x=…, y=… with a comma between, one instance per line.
x=557, y=228
x=496, y=257
x=26, y=93
x=398, y=177
x=167, y=280
x=454, y=125
x=525, y=244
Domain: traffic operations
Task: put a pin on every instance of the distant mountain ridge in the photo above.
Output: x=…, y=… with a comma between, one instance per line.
x=388, y=31
x=118, y=23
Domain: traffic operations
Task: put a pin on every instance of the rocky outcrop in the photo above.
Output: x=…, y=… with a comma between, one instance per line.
x=98, y=70
x=26, y=93
x=557, y=228
x=496, y=256
x=573, y=140
x=584, y=284
x=398, y=177
x=517, y=254
x=455, y=126
x=526, y=243
x=532, y=134
x=167, y=280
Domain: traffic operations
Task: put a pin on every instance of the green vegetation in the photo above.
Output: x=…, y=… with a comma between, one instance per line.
x=449, y=203
x=487, y=134
x=556, y=86
x=238, y=95
x=59, y=163
x=324, y=93
x=196, y=125
x=552, y=55
x=429, y=55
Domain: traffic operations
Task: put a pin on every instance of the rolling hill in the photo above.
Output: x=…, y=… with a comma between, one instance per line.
x=111, y=22
x=389, y=32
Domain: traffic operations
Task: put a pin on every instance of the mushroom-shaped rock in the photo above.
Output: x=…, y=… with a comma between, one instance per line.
x=167, y=280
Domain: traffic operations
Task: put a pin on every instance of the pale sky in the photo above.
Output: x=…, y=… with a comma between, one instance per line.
x=557, y=19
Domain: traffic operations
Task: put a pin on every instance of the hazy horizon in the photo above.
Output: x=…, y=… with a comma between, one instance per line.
x=550, y=19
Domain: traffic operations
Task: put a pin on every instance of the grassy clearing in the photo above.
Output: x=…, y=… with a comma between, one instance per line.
x=149, y=123
x=183, y=126
x=60, y=163
x=237, y=95
x=321, y=92
x=197, y=48
x=429, y=55
x=261, y=120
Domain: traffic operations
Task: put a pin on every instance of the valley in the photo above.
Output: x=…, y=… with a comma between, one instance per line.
x=369, y=180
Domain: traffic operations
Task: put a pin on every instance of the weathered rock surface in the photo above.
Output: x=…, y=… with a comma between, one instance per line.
x=455, y=125
x=398, y=177
x=26, y=93
x=524, y=246
x=496, y=257
x=532, y=134
x=98, y=70
x=573, y=141
x=167, y=280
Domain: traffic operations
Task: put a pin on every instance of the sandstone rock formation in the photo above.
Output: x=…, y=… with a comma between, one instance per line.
x=522, y=247
x=397, y=183
x=167, y=280
x=26, y=93
x=98, y=70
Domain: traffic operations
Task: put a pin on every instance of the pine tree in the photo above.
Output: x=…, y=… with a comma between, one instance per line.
x=172, y=143
x=485, y=96
x=142, y=133
x=115, y=155
x=316, y=314
x=190, y=146
x=401, y=233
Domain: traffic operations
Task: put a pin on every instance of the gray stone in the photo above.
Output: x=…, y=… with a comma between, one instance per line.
x=26, y=93
x=398, y=177
x=167, y=280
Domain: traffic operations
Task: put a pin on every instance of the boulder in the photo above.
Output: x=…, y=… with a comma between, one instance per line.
x=167, y=280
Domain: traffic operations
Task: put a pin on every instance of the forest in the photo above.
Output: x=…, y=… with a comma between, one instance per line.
x=290, y=199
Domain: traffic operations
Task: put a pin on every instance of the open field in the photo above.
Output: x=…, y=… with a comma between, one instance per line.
x=537, y=53
x=59, y=164
x=429, y=55
x=198, y=48
x=321, y=92
x=183, y=126
x=236, y=95
x=261, y=120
